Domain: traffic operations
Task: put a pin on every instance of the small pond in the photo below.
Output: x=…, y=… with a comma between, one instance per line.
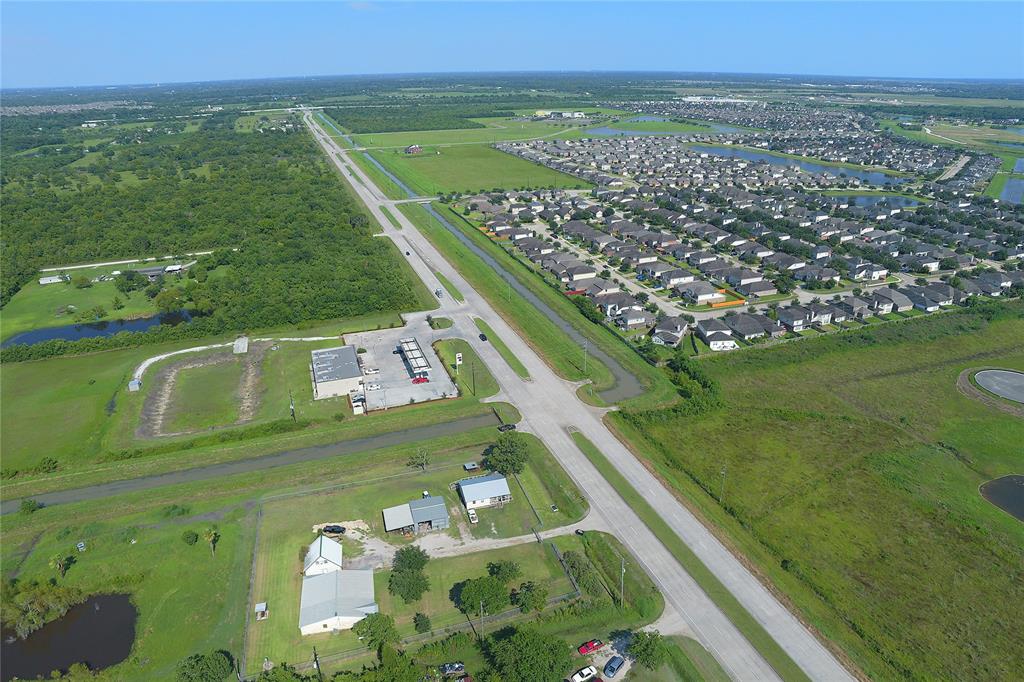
x=74, y=332
x=873, y=177
x=647, y=117
x=98, y=632
x=1007, y=493
x=1011, y=145
x=875, y=199
x=1018, y=165
x=1003, y=382
x=1013, y=191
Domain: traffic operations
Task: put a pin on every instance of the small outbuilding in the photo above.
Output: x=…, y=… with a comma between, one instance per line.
x=425, y=514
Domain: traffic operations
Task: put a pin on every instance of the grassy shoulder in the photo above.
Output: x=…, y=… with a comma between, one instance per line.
x=851, y=468
x=449, y=287
x=503, y=350
x=724, y=599
x=472, y=377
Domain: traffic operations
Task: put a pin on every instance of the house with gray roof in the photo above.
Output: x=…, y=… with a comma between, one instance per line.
x=484, y=491
x=332, y=598
x=418, y=516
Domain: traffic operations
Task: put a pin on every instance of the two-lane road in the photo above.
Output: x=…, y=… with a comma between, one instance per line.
x=550, y=410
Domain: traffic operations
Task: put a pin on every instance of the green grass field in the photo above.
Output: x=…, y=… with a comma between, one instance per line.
x=205, y=397
x=473, y=377
x=496, y=130
x=36, y=306
x=468, y=168
x=659, y=126
x=852, y=482
x=503, y=350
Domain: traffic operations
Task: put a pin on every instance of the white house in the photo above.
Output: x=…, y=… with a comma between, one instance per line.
x=332, y=598
x=484, y=491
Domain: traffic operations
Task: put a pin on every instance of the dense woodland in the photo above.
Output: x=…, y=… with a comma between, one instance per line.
x=304, y=248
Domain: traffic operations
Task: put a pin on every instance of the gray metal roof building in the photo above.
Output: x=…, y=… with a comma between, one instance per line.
x=335, y=371
x=484, y=491
x=336, y=600
x=427, y=513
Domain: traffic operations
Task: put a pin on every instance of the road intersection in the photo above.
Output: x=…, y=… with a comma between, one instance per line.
x=551, y=411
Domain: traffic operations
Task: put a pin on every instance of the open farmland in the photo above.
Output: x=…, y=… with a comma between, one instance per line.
x=492, y=130
x=468, y=168
x=850, y=473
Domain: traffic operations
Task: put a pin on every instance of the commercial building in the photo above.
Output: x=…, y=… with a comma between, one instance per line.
x=335, y=372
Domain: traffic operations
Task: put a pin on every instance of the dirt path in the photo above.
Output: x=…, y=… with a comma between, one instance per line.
x=964, y=385
x=152, y=420
x=158, y=403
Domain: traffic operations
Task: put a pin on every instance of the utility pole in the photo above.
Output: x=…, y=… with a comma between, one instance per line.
x=721, y=491
x=472, y=369
x=291, y=404
x=316, y=666
x=481, y=618
x=622, y=582
x=584, y=357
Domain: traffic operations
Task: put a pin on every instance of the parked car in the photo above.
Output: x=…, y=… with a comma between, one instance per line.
x=372, y=387
x=590, y=647
x=612, y=667
x=421, y=380
x=452, y=669
x=371, y=370
x=473, y=518
x=507, y=427
x=579, y=531
x=483, y=337
x=397, y=351
x=585, y=674
x=334, y=530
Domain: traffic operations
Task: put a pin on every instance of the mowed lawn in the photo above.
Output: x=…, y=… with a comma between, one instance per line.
x=468, y=168
x=188, y=599
x=494, y=130
x=286, y=528
x=205, y=397
x=36, y=306
x=851, y=477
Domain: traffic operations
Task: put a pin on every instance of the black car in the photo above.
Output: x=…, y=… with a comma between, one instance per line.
x=447, y=669
x=397, y=351
x=483, y=337
x=507, y=427
x=334, y=530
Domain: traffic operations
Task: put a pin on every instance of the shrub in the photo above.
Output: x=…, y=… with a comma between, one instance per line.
x=190, y=537
x=421, y=622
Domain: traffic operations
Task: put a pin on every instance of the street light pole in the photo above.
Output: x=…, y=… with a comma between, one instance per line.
x=721, y=492
x=622, y=582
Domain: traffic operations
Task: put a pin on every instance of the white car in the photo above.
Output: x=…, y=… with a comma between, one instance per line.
x=472, y=516
x=584, y=674
x=373, y=387
x=371, y=370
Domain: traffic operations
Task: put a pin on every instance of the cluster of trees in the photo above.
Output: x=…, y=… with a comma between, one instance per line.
x=391, y=118
x=408, y=579
x=29, y=605
x=304, y=250
x=508, y=455
x=490, y=594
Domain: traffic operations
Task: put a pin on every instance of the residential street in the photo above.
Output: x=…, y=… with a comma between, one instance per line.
x=550, y=409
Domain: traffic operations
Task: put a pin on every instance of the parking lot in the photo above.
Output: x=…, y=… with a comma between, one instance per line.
x=395, y=379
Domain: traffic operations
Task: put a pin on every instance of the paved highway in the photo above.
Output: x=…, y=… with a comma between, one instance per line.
x=551, y=410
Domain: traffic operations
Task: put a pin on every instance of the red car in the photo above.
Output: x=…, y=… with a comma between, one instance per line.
x=590, y=647
x=420, y=380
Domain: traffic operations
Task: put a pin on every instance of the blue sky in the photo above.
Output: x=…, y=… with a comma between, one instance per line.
x=86, y=43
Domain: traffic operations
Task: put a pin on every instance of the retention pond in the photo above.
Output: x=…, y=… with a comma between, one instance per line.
x=1007, y=493
x=98, y=632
